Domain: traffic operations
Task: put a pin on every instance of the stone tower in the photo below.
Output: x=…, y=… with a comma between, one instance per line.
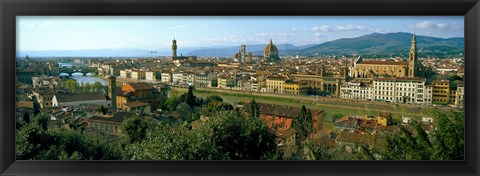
x=243, y=53
x=112, y=92
x=412, y=59
x=174, y=48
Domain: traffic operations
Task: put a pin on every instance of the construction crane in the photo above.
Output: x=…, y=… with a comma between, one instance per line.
x=151, y=53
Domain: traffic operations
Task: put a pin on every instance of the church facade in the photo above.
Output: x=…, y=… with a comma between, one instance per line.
x=372, y=69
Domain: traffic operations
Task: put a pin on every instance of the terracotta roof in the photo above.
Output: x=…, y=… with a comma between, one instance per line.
x=80, y=97
x=270, y=48
x=383, y=63
x=141, y=86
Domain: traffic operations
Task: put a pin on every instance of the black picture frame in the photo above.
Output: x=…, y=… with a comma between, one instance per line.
x=470, y=9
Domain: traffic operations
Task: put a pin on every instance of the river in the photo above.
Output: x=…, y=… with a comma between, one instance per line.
x=81, y=79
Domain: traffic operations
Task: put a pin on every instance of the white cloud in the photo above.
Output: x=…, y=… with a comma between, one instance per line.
x=350, y=28
x=424, y=25
x=323, y=28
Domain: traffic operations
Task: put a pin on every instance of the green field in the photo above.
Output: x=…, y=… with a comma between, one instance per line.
x=329, y=109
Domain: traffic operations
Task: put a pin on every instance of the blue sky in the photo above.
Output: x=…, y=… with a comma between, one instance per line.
x=156, y=32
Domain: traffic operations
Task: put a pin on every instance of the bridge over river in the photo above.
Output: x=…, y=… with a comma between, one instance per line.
x=83, y=70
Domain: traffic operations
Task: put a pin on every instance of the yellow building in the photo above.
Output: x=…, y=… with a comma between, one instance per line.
x=224, y=81
x=295, y=87
x=275, y=84
x=440, y=92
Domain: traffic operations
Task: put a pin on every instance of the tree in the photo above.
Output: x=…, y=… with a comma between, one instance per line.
x=446, y=142
x=212, y=98
x=172, y=102
x=97, y=86
x=216, y=106
x=253, y=110
x=103, y=110
x=303, y=125
x=72, y=85
x=190, y=98
x=135, y=128
x=230, y=137
x=75, y=124
x=185, y=111
x=37, y=143
x=26, y=118
x=86, y=87
x=42, y=120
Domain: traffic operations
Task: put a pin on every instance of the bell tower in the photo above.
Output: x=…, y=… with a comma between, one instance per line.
x=174, y=48
x=412, y=59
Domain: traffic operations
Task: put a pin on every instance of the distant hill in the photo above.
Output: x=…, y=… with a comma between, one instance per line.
x=104, y=52
x=384, y=45
x=371, y=45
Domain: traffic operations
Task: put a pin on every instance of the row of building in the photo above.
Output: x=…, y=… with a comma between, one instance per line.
x=406, y=90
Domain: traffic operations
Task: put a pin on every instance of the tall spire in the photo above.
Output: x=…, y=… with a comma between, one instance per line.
x=412, y=59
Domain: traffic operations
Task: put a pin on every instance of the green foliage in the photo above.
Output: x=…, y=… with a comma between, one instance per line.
x=72, y=85
x=231, y=137
x=36, y=143
x=26, y=118
x=217, y=106
x=185, y=111
x=253, y=110
x=444, y=143
x=135, y=128
x=87, y=87
x=172, y=102
x=97, y=86
x=190, y=98
x=303, y=125
x=212, y=98
x=42, y=120
x=448, y=139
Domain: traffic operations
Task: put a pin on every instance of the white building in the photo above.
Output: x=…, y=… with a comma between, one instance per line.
x=459, y=98
x=177, y=78
x=190, y=79
x=125, y=73
x=150, y=76
x=138, y=75
x=76, y=100
x=427, y=93
x=399, y=90
x=166, y=78
x=358, y=91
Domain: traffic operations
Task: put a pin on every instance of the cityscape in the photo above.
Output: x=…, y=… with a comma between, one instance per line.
x=363, y=93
